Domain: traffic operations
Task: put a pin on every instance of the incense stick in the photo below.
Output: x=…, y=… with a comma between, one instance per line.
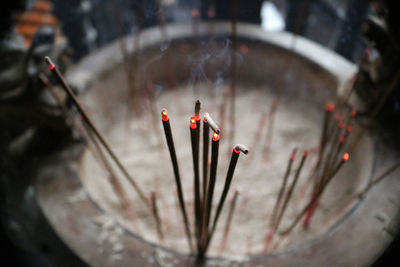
x=317, y=196
x=229, y=176
x=77, y=104
x=156, y=215
x=197, y=198
x=283, y=187
x=210, y=190
x=174, y=161
x=228, y=222
x=206, y=141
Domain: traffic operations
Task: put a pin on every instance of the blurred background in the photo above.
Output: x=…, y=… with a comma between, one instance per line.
x=364, y=32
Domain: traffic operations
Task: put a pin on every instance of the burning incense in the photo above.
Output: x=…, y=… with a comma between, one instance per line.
x=195, y=156
x=210, y=190
x=228, y=222
x=229, y=176
x=213, y=125
x=156, y=215
x=171, y=147
x=317, y=195
x=283, y=187
x=206, y=141
x=92, y=127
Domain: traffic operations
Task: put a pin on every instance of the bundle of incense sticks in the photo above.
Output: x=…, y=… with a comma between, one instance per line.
x=203, y=199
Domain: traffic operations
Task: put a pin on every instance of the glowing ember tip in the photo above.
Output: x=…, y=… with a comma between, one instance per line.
x=341, y=140
x=215, y=137
x=241, y=148
x=345, y=156
x=305, y=153
x=195, y=12
x=211, y=13
x=164, y=115
x=349, y=128
x=341, y=125
x=353, y=113
x=50, y=63
x=330, y=107
x=192, y=123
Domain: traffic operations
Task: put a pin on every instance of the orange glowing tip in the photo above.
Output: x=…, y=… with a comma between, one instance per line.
x=197, y=116
x=164, y=115
x=305, y=153
x=244, y=49
x=205, y=115
x=50, y=63
x=211, y=13
x=345, y=156
x=349, y=128
x=341, y=125
x=195, y=12
x=338, y=117
x=341, y=139
x=329, y=107
x=192, y=123
x=236, y=150
x=215, y=137
x=353, y=113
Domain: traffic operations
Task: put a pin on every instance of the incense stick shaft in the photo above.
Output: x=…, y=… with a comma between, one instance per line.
x=171, y=147
x=76, y=102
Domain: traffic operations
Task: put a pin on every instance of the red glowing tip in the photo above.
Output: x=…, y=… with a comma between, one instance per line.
x=236, y=151
x=195, y=12
x=341, y=140
x=215, y=137
x=349, y=128
x=305, y=153
x=330, y=107
x=338, y=117
x=52, y=66
x=192, y=123
x=341, y=125
x=345, y=156
x=244, y=49
x=211, y=13
x=164, y=115
x=353, y=113
x=205, y=115
x=197, y=116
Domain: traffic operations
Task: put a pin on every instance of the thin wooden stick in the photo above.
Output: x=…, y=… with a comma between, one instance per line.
x=210, y=191
x=174, y=161
x=228, y=222
x=197, y=198
x=283, y=187
x=317, y=196
x=76, y=102
x=286, y=201
x=206, y=145
x=229, y=176
x=156, y=216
